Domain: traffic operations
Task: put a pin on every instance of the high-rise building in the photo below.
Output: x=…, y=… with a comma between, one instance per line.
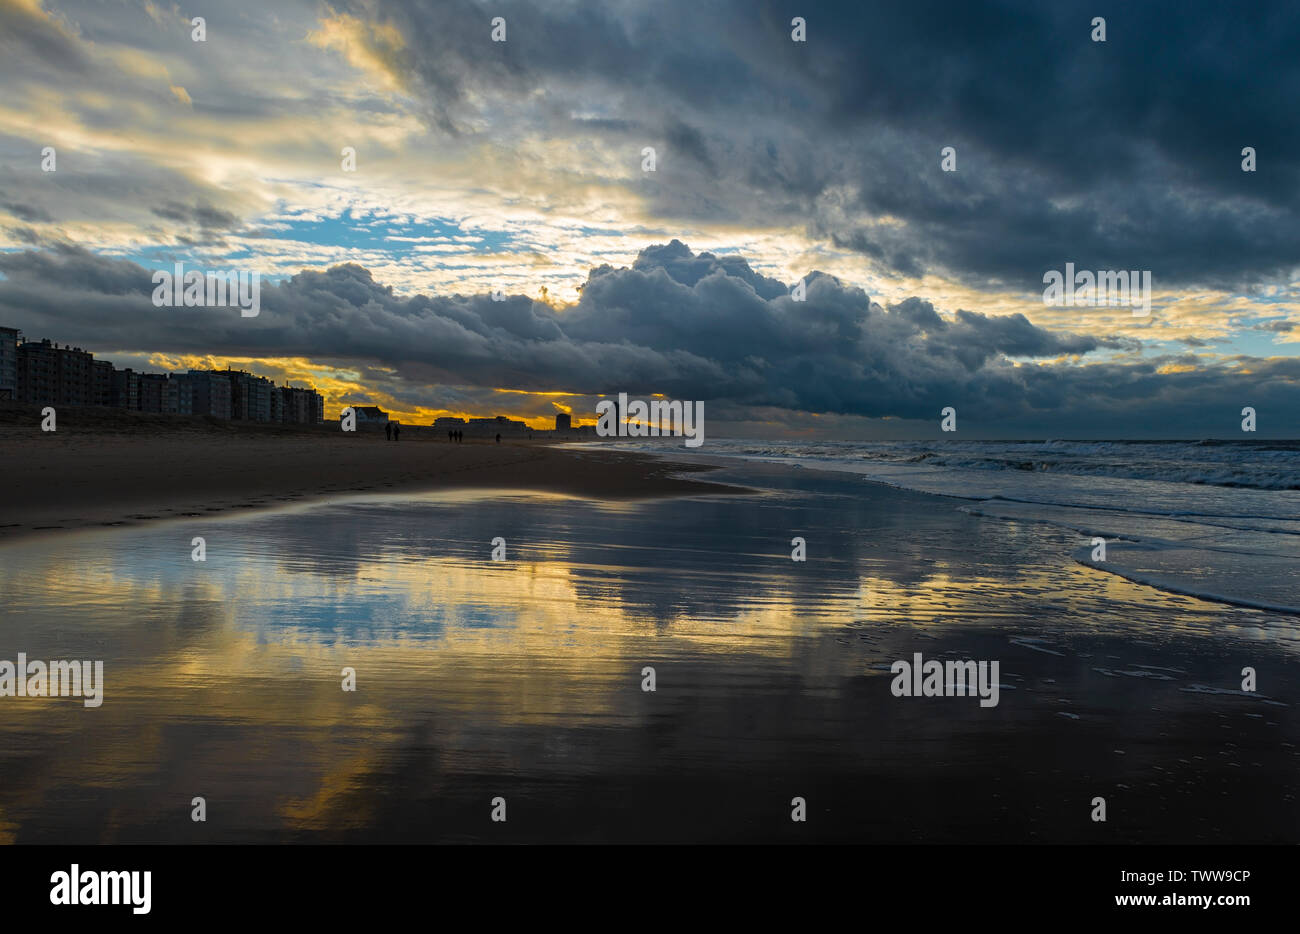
x=36, y=372
x=52, y=375
x=259, y=406
x=178, y=396
x=9, y=363
x=126, y=389
x=101, y=380
x=153, y=392
x=250, y=396
x=45, y=373
x=299, y=406
x=76, y=379
x=211, y=393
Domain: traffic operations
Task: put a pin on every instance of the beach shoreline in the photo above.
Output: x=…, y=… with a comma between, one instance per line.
x=524, y=676
x=106, y=468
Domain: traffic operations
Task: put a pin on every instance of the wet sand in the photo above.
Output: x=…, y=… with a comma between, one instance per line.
x=105, y=467
x=524, y=678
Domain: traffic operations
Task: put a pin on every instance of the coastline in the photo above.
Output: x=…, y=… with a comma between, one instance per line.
x=1232, y=542
x=524, y=677
x=109, y=469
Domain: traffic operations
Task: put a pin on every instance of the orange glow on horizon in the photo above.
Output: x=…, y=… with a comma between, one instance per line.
x=341, y=387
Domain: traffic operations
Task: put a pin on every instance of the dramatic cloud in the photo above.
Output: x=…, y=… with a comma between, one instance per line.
x=688, y=325
x=519, y=165
x=1067, y=148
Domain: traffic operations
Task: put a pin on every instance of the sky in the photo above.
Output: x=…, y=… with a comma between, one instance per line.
x=520, y=167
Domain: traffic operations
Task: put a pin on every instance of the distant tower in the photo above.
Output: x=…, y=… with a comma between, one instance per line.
x=563, y=421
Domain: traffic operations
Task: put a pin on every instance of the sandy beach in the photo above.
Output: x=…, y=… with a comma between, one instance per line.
x=524, y=677
x=108, y=467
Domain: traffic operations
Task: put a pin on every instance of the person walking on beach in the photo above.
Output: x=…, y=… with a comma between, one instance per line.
x=498, y=439
x=388, y=431
x=397, y=431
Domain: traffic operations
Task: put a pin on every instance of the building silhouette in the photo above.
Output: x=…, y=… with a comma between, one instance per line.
x=370, y=413
x=449, y=423
x=101, y=382
x=300, y=406
x=43, y=373
x=54, y=375
x=209, y=393
x=9, y=363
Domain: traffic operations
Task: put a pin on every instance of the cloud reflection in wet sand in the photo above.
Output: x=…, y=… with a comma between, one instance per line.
x=522, y=678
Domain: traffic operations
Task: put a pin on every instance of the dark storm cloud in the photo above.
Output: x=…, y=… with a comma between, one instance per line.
x=693, y=326
x=204, y=216
x=1122, y=154
x=26, y=212
x=27, y=235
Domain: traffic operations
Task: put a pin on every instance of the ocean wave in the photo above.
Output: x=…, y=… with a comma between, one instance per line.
x=1258, y=465
x=1216, y=520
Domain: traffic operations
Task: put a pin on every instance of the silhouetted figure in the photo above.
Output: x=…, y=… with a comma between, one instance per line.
x=397, y=431
x=498, y=439
x=450, y=436
x=388, y=431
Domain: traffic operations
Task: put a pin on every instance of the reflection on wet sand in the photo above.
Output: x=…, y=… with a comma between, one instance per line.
x=523, y=678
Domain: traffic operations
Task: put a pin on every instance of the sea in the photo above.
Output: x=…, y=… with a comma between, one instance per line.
x=1213, y=519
